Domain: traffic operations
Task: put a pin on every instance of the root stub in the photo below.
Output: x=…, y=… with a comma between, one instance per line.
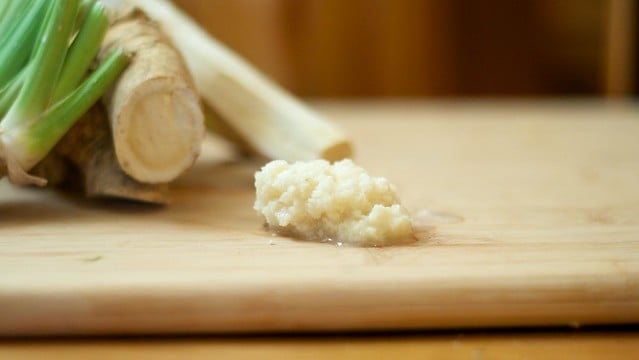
x=17, y=175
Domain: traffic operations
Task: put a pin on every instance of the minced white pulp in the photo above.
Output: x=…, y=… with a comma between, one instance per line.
x=340, y=202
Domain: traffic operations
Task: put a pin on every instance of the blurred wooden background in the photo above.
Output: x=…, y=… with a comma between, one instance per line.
x=358, y=48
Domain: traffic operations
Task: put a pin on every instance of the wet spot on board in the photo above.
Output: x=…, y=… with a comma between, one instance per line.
x=425, y=221
x=427, y=218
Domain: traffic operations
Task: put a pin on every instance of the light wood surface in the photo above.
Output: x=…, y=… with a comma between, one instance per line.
x=535, y=224
x=511, y=345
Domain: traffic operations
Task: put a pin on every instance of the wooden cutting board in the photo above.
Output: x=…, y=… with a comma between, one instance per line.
x=527, y=214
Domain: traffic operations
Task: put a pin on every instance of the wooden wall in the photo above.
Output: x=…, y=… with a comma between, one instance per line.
x=349, y=48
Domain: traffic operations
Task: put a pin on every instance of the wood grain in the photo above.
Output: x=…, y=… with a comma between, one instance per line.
x=536, y=224
x=517, y=345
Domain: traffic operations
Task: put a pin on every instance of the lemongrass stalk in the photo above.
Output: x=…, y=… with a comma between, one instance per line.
x=49, y=100
x=15, y=51
x=13, y=12
x=23, y=147
x=46, y=65
x=83, y=9
x=4, y=6
x=9, y=93
x=42, y=135
x=83, y=50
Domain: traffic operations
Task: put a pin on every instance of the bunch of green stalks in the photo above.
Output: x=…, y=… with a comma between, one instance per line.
x=48, y=76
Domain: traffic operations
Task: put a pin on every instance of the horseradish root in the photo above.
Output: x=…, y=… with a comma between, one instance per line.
x=154, y=110
x=270, y=120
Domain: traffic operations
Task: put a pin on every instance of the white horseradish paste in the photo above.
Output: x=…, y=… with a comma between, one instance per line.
x=340, y=202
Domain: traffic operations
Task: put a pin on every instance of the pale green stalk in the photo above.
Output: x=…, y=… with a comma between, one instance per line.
x=49, y=93
x=46, y=64
x=12, y=14
x=54, y=123
x=4, y=5
x=83, y=50
x=83, y=10
x=15, y=50
x=9, y=93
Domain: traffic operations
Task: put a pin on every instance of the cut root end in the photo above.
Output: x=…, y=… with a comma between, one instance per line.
x=158, y=133
x=337, y=151
x=10, y=167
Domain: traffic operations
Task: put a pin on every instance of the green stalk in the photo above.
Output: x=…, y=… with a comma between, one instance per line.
x=9, y=93
x=4, y=5
x=13, y=12
x=82, y=52
x=44, y=92
x=41, y=136
x=47, y=62
x=83, y=9
x=15, y=51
